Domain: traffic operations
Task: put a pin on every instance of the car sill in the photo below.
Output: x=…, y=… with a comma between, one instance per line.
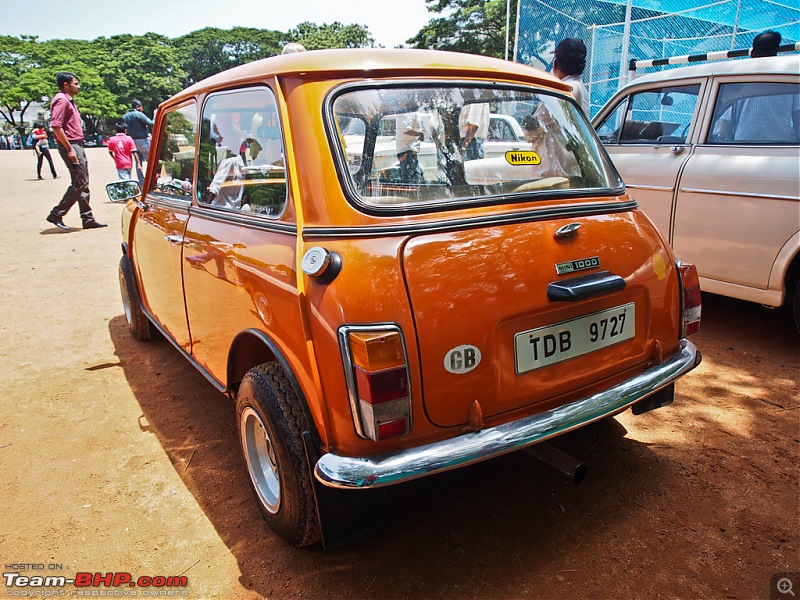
x=388, y=469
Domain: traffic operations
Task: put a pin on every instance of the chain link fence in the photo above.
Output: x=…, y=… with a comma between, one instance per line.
x=653, y=29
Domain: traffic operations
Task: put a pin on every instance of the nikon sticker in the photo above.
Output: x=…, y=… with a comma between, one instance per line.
x=523, y=157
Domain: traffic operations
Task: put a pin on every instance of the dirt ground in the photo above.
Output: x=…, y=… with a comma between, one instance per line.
x=117, y=456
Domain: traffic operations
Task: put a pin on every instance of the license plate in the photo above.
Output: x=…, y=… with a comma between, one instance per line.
x=552, y=344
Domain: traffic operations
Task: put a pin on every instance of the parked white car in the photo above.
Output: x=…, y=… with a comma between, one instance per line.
x=505, y=135
x=712, y=154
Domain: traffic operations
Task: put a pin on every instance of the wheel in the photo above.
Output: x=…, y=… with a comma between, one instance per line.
x=796, y=305
x=138, y=324
x=271, y=423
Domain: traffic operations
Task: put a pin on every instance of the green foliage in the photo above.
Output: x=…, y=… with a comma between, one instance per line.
x=153, y=67
x=471, y=26
x=333, y=35
x=209, y=51
x=145, y=67
x=18, y=88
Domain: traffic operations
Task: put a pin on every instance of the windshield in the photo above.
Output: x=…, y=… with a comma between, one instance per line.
x=420, y=144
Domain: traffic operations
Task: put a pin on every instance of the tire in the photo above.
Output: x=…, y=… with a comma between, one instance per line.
x=138, y=324
x=796, y=305
x=271, y=423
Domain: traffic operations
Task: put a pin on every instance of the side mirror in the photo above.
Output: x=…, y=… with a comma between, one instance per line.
x=120, y=191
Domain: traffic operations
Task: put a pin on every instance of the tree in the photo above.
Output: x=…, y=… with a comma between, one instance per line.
x=20, y=82
x=144, y=67
x=472, y=26
x=208, y=51
x=332, y=35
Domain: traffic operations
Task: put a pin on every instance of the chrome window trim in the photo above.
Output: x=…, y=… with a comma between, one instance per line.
x=437, y=226
x=739, y=194
x=655, y=188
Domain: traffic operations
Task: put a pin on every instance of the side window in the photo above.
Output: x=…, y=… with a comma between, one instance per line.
x=656, y=116
x=176, y=155
x=756, y=113
x=500, y=131
x=609, y=129
x=241, y=165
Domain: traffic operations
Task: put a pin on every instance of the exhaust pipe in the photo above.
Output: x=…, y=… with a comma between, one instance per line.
x=570, y=467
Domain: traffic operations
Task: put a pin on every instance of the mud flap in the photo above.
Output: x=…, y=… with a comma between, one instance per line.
x=344, y=515
x=660, y=399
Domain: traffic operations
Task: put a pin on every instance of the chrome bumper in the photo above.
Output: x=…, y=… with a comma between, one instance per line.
x=387, y=469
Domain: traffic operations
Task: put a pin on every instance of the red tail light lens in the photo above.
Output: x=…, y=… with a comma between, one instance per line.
x=377, y=379
x=692, y=300
x=377, y=387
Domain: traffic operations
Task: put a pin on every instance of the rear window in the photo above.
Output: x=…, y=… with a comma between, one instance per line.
x=417, y=145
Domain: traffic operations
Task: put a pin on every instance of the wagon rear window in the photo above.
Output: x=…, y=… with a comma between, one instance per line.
x=431, y=145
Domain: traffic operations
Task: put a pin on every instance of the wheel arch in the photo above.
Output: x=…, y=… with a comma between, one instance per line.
x=251, y=348
x=786, y=268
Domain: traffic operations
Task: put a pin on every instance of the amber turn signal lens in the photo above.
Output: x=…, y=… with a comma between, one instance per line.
x=376, y=351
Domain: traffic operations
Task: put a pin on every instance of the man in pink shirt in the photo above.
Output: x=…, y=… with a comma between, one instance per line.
x=123, y=149
x=68, y=131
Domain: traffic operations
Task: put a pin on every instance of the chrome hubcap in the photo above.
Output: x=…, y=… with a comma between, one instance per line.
x=262, y=465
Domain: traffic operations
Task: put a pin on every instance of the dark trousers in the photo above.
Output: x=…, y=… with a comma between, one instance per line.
x=474, y=150
x=44, y=152
x=78, y=191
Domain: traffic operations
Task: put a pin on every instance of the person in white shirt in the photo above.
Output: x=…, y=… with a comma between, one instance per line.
x=473, y=123
x=568, y=66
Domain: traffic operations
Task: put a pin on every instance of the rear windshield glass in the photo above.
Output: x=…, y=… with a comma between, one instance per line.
x=423, y=144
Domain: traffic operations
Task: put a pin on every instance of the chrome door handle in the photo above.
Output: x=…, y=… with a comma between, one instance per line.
x=174, y=239
x=676, y=149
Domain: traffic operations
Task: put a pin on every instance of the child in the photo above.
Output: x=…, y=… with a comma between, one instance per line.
x=123, y=149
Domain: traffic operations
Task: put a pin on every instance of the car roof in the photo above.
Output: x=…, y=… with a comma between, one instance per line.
x=770, y=64
x=374, y=62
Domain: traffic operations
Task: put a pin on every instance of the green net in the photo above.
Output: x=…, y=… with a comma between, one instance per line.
x=655, y=29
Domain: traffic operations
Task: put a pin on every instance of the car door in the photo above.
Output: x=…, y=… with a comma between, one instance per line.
x=158, y=230
x=239, y=250
x=648, y=135
x=738, y=201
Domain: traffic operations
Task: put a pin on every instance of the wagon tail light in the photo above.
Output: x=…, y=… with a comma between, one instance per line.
x=376, y=370
x=691, y=302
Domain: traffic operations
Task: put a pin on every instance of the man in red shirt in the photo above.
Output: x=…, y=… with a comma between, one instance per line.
x=123, y=149
x=68, y=131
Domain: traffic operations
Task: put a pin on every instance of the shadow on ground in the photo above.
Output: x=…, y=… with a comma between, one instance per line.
x=510, y=527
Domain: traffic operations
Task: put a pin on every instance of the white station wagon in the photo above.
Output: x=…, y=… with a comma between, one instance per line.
x=712, y=155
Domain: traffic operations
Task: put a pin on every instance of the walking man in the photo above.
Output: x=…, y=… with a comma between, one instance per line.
x=137, y=123
x=68, y=131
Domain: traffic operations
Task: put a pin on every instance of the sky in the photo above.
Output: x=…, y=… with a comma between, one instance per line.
x=391, y=23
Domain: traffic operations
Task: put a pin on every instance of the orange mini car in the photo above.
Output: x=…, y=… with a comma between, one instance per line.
x=325, y=236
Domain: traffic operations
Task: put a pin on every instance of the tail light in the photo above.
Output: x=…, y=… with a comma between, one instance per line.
x=691, y=301
x=376, y=370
